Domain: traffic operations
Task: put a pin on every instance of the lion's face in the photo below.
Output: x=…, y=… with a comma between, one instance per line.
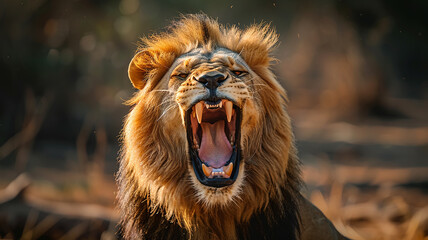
x=215, y=97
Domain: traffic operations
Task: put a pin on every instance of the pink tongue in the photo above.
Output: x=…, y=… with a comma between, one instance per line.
x=215, y=148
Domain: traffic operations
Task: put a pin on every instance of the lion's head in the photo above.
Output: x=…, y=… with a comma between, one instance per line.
x=208, y=142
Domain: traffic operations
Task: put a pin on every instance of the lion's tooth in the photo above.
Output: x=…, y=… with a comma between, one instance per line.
x=228, y=169
x=207, y=170
x=199, y=109
x=220, y=105
x=228, y=107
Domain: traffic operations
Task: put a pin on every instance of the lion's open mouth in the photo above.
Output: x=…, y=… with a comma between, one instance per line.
x=213, y=131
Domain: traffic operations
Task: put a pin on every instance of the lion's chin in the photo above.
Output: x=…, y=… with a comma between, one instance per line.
x=213, y=134
x=213, y=196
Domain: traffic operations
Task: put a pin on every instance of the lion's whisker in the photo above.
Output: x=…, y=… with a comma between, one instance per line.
x=259, y=84
x=165, y=102
x=163, y=90
x=166, y=110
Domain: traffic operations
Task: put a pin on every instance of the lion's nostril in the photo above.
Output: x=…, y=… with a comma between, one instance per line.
x=202, y=80
x=221, y=79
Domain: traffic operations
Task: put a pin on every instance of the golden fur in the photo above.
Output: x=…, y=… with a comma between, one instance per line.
x=156, y=177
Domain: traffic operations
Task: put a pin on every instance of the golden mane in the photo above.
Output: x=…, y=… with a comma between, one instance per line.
x=155, y=187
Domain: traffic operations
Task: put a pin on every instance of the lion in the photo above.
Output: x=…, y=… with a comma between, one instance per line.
x=207, y=150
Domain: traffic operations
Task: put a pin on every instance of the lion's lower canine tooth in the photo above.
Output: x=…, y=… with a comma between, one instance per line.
x=207, y=170
x=199, y=109
x=228, y=107
x=228, y=169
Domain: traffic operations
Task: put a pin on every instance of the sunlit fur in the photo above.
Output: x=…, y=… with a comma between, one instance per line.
x=155, y=170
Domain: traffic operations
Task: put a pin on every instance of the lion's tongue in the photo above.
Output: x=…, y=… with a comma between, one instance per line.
x=215, y=148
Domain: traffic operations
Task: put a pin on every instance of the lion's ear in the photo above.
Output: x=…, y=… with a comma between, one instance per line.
x=139, y=68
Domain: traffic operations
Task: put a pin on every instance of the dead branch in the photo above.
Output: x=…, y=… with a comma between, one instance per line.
x=15, y=189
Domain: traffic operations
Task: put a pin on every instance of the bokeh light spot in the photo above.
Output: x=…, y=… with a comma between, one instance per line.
x=88, y=42
x=128, y=7
x=123, y=25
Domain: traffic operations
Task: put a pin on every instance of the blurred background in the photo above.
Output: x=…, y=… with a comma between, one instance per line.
x=355, y=71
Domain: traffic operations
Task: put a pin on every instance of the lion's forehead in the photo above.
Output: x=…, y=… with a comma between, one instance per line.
x=207, y=68
x=199, y=60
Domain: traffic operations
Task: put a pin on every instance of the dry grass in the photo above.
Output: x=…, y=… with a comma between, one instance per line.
x=380, y=211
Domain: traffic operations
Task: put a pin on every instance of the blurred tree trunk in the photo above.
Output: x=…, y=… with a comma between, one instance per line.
x=326, y=67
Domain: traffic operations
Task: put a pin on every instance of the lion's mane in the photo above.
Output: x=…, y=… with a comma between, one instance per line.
x=157, y=198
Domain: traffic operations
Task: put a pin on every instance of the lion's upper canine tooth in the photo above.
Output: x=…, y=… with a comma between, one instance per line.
x=207, y=170
x=199, y=109
x=228, y=169
x=220, y=105
x=228, y=106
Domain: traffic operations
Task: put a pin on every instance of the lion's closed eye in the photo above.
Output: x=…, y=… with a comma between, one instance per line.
x=182, y=75
x=238, y=72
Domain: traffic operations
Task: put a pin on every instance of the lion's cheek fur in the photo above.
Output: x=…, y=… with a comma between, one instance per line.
x=250, y=122
x=155, y=152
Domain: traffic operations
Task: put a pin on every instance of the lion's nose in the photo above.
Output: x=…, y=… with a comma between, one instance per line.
x=211, y=81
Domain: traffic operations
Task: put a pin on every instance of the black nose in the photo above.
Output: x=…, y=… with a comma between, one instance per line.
x=211, y=82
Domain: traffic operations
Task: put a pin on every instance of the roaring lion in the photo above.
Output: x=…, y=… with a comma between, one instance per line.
x=207, y=148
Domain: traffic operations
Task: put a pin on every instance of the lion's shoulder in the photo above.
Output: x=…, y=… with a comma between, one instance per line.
x=314, y=224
